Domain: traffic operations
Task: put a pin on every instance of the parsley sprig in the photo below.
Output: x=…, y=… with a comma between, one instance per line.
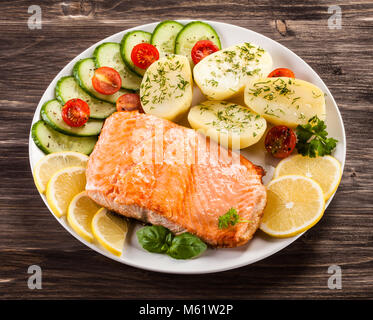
x=313, y=139
x=230, y=218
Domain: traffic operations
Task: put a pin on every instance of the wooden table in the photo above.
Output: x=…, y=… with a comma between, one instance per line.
x=29, y=235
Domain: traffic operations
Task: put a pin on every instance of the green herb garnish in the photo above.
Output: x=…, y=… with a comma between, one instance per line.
x=159, y=239
x=230, y=218
x=313, y=139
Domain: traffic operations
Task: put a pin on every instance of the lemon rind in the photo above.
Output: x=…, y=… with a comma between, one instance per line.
x=331, y=190
x=100, y=240
x=74, y=224
x=42, y=189
x=50, y=194
x=306, y=225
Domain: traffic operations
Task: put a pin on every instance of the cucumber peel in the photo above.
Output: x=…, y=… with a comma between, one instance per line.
x=83, y=72
x=191, y=33
x=51, y=114
x=49, y=140
x=129, y=40
x=164, y=36
x=108, y=54
x=67, y=88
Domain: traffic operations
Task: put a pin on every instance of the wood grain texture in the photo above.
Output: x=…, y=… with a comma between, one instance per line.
x=30, y=59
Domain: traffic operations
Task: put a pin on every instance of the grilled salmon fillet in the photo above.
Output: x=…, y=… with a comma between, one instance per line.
x=156, y=171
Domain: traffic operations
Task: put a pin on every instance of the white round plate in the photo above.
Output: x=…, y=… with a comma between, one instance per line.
x=261, y=246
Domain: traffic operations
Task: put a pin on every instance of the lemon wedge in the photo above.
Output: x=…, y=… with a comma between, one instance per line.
x=80, y=213
x=50, y=164
x=63, y=186
x=110, y=231
x=326, y=171
x=294, y=204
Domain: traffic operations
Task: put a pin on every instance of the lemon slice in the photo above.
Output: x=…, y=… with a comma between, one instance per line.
x=50, y=164
x=80, y=213
x=294, y=204
x=63, y=186
x=326, y=171
x=110, y=231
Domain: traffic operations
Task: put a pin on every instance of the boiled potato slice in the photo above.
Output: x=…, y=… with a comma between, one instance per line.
x=228, y=123
x=284, y=100
x=226, y=72
x=166, y=88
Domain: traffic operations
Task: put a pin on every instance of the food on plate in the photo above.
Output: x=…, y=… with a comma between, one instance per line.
x=49, y=140
x=106, y=80
x=143, y=55
x=75, y=113
x=313, y=139
x=85, y=75
x=202, y=49
x=230, y=218
x=280, y=141
x=228, y=123
x=326, y=171
x=50, y=164
x=172, y=176
x=51, y=114
x=190, y=184
x=67, y=88
x=158, y=239
x=295, y=203
x=164, y=36
x=226, y=72
x=167, y=87
x=285, y=101
x=108, y=55
x=63, y=186
x=192, y=33
x=281, y=72
x=80, y=213
x=129, y=41
x=129, y=102
x=110, y=231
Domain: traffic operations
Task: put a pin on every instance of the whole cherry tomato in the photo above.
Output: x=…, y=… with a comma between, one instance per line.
x=129, y=102
x=280, y=141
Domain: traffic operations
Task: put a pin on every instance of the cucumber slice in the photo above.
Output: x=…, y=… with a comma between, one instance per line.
x=67, y=88
x=164, y=36
x=129, y=40
x=51, y=114
x=83, y=72
x=108, y=55
x=49, y=140
x=190, y=34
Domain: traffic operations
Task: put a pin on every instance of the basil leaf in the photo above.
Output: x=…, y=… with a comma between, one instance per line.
x=186, y=246
x=156, y=239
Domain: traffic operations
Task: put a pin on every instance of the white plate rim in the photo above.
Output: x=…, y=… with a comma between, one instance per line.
x=286, y=242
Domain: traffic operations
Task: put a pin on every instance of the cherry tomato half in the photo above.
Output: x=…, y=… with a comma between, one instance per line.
x=202, y=49
x=144, y=54
x=106, y=80
x=282, y=72
x=129, y=102
x=280, y=141
x=75, y=112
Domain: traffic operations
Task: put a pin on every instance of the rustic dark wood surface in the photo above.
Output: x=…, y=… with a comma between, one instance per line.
x=30, y=59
